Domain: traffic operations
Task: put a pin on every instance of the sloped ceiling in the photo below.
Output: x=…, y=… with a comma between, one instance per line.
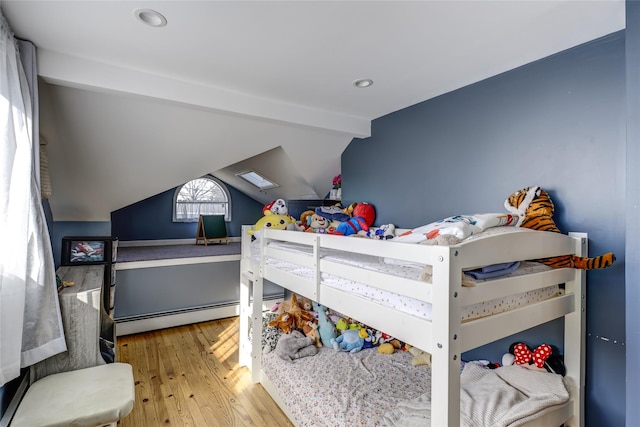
x=129, y=110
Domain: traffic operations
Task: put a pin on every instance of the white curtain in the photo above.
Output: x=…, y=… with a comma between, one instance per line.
x=30, y=322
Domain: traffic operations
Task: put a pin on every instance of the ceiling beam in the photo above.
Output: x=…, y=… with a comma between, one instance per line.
x=65, y=70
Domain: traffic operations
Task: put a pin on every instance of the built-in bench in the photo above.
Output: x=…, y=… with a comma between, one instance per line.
x=162, y=286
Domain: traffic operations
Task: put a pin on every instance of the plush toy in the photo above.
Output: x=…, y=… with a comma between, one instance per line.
x=376, y=337
x=420, y=357
x=274, y=221
x=332, y=213
x=342, y=325
x=317, y=224
x=534, y=208
x=385, y=338
x=310, y=330
x=352, y=226
x=278, y=207
x=384, y=232
x=386, y=348
x=544, y=356
x=303, y=302
x=397, y=344
x=294, y=346
x=304, y=220
x=345, y=324
x=349, y=209
x=300, y=317
x=369, y=337
x=365, y=211
x=284, y=322
x=350, y=340
x=326, y=328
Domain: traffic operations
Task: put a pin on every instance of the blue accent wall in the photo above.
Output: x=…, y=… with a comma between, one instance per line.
x=75, y=228
x=152, y=218
x=632, y=255
x=559, y=123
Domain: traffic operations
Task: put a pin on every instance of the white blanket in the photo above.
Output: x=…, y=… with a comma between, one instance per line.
x=461, y=226
x=504, y=397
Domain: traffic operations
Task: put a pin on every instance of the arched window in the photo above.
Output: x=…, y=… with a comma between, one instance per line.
x=202, y=196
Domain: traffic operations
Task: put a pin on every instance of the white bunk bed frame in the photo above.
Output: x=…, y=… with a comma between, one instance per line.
x=445, y=336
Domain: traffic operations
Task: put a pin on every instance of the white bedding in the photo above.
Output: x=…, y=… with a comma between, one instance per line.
x=359, y=390
x=503, y=397
x=410, y=271
x=335, y=388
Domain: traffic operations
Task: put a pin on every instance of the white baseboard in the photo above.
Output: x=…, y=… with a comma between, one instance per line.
x=133, y=265
x=138, y=324
x=131, y=243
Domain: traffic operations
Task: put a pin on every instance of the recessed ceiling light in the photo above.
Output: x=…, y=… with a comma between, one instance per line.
x=150, y=17
x=363, y=83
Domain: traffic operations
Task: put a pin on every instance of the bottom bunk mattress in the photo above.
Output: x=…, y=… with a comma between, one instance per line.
x=335, y=388
x=370, y=389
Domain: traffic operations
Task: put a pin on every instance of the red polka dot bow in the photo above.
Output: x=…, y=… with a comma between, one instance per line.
x=524, y=355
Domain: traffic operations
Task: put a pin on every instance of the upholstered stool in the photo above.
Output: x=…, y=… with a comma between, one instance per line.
x=90, y=397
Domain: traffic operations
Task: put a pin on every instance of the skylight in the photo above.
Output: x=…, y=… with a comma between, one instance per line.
x=258, y=180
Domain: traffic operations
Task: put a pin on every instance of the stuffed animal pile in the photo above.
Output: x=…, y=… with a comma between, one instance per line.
x=352, y=220
x=355, y=220
x=302, y=318
x=299, y=335
x=292, y=316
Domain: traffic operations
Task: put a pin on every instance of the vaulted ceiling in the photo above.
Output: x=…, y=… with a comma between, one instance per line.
x=129, y=110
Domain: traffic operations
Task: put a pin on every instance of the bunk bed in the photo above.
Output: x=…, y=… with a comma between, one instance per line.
x=308, y=263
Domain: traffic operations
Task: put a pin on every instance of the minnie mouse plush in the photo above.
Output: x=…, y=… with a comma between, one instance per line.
x=544, y=356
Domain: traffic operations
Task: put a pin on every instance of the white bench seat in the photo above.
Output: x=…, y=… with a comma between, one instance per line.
x=90, y=397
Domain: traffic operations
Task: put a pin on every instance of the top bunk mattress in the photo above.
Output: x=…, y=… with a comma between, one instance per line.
x=406, y=270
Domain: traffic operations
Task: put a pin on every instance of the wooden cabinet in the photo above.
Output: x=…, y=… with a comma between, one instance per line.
x=89, y=330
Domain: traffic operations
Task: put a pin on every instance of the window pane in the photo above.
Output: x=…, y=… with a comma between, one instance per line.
x=186, y=210
x=258, y=180
x=200, y=196
x=201, y=190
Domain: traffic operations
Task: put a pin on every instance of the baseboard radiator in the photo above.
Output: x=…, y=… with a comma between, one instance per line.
x=168, y=319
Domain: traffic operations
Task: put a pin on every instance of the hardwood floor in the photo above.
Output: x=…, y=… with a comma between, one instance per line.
x=189, y=376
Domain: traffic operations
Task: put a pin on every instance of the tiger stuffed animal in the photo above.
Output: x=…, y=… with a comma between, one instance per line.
x=534, y=209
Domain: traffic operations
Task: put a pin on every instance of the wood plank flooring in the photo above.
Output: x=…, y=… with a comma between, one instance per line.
x=189, y=376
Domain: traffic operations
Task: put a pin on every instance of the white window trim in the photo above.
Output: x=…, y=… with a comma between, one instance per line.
x=224, y=188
